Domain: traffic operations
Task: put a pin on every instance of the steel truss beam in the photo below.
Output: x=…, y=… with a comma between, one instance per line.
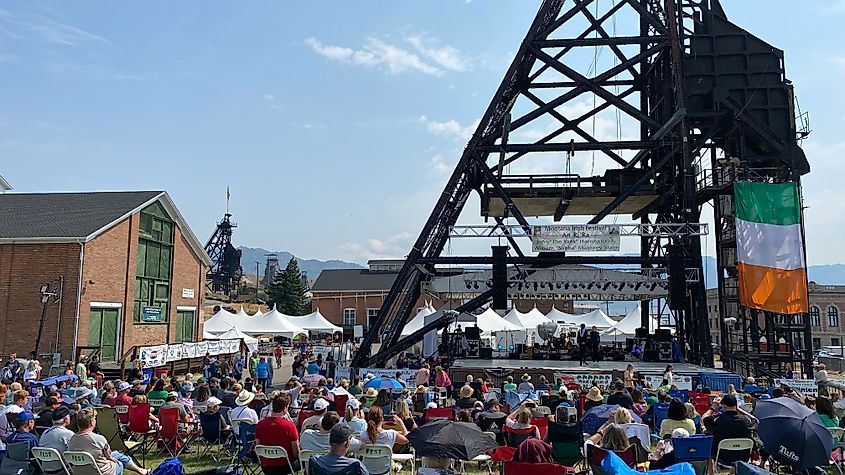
x=664, y=230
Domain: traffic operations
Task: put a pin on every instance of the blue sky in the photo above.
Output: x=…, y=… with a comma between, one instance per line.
x=333, y=125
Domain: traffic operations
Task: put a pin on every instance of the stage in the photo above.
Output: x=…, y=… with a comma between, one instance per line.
x=570, y=366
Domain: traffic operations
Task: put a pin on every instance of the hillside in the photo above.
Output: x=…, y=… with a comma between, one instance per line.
x=312, y=267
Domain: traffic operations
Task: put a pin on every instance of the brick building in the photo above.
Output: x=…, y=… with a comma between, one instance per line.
x=348, y=297
x=826, y=304
x=125, y=268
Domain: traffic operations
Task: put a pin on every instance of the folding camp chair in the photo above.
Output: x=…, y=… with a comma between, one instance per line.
x=109, y=427
x=139, y=427
x=245, y=454
x=438, y=413
x=212, y=434
x=305, y=456
x=50, y=461
x=272, y=452
x=377, y=458
x=661, y=411
x=731, y=445
x=122, y=414
x=514, y=437
x=17, y=459
x=695, y=449
x=542, y=424
x=171, y=438
x=566, y=440
x=596, y=454
x=680, y=394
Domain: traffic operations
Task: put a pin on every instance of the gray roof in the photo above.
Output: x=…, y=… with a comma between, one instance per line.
x=335, y=280
x=65, y=215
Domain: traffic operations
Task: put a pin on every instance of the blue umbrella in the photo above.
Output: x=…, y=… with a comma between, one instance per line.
x=597, y=416
x=793, y=433
x=384, y=383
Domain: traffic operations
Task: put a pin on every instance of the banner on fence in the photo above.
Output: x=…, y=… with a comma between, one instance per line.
x=681, y=381
x=586, y=380
x=174, y=353
x=406, y=375
x=153, y=356
x=202, y=348
x=807, y=387
x=341, y=372
x=213, y=348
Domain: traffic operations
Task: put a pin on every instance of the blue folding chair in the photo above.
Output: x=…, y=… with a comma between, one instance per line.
x=245, y=450
x=680, y=394
x=661, y=411
x=694, y=450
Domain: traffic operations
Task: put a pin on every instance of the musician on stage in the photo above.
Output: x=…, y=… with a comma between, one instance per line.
x=582, y=339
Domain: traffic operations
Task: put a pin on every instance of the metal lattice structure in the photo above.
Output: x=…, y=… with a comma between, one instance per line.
x=691, y=86
x=225, y=272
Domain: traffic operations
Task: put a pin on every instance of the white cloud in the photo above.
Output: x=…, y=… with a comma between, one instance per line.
x=439, y=165
x=447, y=57
x=64, y=34
x=394, y=247
x=451, y=128
x=375, y=53
x=269, y=97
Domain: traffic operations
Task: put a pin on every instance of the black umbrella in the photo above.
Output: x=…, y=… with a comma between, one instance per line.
x=455, y=440
x=793, y=433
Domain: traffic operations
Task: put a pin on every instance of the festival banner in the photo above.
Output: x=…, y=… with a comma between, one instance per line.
x=213, y=347
x=174, y=353
x=807, y=387
x=407, y=375
x=202, y=348
x=153, y=356
x=575, y=237
x=190, y=350
x=341, y=372
x=585, y=380
x=681, y=381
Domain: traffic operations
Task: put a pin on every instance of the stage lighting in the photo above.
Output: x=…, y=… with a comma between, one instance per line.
x=535, y=286
x=475, y=285
x=558, y=285
x=637, y=287
x=566, y=286
x=605, y=286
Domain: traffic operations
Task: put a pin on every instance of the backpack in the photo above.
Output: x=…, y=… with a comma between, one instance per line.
x=6, y=376
x=169, y=467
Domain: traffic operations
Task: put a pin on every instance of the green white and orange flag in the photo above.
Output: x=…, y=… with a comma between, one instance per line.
x=770, y=248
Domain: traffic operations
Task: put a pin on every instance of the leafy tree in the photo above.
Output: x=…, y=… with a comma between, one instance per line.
x=287, y=291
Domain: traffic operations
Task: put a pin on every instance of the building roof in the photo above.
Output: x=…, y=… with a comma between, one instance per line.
x=338, y=280
x=4, y=185
x=80, y=217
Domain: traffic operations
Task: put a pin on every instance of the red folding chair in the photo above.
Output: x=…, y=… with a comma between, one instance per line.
x=700, y=401
x=514, y=437
x=437, y=413
x=340, y=403
x=169, y=432
x=139, y=426
x=523, y=468
x=303, y=414
x=542, y=423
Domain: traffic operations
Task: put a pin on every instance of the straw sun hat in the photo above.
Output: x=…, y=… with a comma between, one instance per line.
x=526, y=377
x=594, y=394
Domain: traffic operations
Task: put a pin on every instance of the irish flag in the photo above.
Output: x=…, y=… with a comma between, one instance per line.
x=770, y=250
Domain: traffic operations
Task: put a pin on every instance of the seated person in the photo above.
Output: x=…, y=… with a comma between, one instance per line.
x=24, y=425
x=676, y=417
x=664, y=455
x=520, y=420
x=278, y=430
x=466, y=401
x=534, y=451
x=733, y=423
x=313, y=422
x=170, y=403
x=57, y=436
x=336, y=461
x=318, y=440
x=509, y=384
x=109, y=462
x=610, y=436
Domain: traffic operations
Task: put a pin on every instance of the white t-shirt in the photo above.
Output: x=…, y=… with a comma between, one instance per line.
x=385, y=437
x=669, y=376
x=5, y=428
x=312, y=422
x=241, y=413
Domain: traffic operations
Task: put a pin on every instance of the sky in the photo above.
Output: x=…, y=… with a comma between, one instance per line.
x=333, y=124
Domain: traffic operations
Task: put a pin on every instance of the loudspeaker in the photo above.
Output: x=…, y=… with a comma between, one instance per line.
x=677, y=277
x=663, y=334
x=651, y=356
x=665, y=351
x=485, y=353
x=472, y=333
x=500, y=277
x=641, y=332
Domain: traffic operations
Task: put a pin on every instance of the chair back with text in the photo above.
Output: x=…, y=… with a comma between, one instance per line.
x=50, y=460
x=305, y=457
x=122, y=412
x=681, y=394
x=267, y=452
x=82, y=462
x=694, y=447
x=377, y=458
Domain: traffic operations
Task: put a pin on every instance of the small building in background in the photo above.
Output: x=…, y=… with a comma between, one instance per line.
x=122, y=269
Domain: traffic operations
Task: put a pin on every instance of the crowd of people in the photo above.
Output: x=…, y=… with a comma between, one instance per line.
x=339, y=417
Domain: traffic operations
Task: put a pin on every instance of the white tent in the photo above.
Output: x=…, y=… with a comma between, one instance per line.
x=489, y=321
x=242, y=314
x=272, y=323
x=527, y=321
x=596, y=318
x=419, y=320
x=556, y=315
x=315, y=322
x=257, y=313
x=627, y=327
x=235, y=334
x=221, y=322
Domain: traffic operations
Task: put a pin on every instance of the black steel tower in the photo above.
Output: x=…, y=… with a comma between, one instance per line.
x=225, y=273
x=698, y=103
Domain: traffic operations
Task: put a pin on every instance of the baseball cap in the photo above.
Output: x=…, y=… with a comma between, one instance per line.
x=24, y=417
x=321, y=404
x=60, y=413
x=172, y=394
x=340, y=433
x=123, y=386
x=431, y=405
x=353, y=403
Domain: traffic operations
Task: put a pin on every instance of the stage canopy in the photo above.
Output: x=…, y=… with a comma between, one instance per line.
x=419, y=319
x=627, y=327
x=527, y=321
x=243, y=314
x=556, y=315
x=315, y=322
x=489, y=321
x=595, y=318
x=272, y=323
x=222, y=321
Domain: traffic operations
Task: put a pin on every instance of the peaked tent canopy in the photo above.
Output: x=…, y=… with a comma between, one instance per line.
x=595, y=318
x=527, y=321
x=489, y=321
x=272, y=323
x=315, y=322
x=221, y=321
x=556, y=315
x=235, y=334
x=627, y=327
x=418, y=321
x=242, y=313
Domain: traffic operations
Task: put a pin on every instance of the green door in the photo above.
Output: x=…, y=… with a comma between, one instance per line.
x=102, y=332
x=184, y=325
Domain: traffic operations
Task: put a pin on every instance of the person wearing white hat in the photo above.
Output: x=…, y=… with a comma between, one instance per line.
x=354, y=417
x=242, y=412
x=313, y=422
x=525, y=386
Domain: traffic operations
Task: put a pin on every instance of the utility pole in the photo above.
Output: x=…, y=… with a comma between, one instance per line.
x=257, y=283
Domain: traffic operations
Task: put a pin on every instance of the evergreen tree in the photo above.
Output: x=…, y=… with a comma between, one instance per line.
x=287, y=291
